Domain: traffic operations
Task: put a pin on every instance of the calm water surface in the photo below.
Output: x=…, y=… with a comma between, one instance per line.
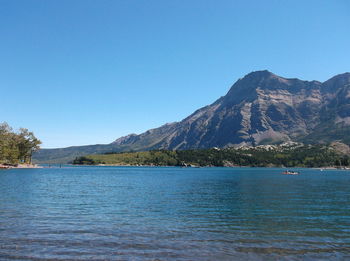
x=126, y=213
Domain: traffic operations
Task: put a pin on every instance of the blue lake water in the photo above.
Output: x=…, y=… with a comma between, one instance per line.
x=140, y=213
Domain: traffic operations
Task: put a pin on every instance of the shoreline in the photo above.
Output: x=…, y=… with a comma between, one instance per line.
x=39, y=166
x=20, y=166
x=211, y=166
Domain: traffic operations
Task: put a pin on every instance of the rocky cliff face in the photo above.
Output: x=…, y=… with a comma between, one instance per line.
x=261, y=108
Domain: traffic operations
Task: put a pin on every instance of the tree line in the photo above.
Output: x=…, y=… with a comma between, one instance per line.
x=17, y=146
x=303, y=156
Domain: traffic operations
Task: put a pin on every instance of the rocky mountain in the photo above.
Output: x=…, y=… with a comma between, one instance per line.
x=261, y=108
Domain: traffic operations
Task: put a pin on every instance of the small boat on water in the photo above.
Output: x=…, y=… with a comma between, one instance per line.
x=289, y=172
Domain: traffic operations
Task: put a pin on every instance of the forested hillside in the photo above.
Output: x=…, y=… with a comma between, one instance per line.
x=262, y=156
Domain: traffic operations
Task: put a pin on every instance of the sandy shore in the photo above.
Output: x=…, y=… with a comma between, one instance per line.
x=20, y=166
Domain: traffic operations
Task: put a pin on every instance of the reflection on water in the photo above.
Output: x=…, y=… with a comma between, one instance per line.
x=126, y=213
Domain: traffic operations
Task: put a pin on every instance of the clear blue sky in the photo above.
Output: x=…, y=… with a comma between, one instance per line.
x=83, y=72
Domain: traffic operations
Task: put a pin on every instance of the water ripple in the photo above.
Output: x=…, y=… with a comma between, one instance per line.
x=130, y=213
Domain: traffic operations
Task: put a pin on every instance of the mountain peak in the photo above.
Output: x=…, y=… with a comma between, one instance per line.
x=247, y=86
x=345, y=77
x=263, y=76
x=259, y=73
x=335, y=82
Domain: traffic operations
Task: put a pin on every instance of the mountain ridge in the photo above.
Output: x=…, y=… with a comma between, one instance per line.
x=260, y=108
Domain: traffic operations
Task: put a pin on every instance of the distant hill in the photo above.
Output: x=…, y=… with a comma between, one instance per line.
x=261, y=108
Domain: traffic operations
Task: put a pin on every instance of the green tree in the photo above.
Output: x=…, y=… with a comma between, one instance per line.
x=17, y=147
